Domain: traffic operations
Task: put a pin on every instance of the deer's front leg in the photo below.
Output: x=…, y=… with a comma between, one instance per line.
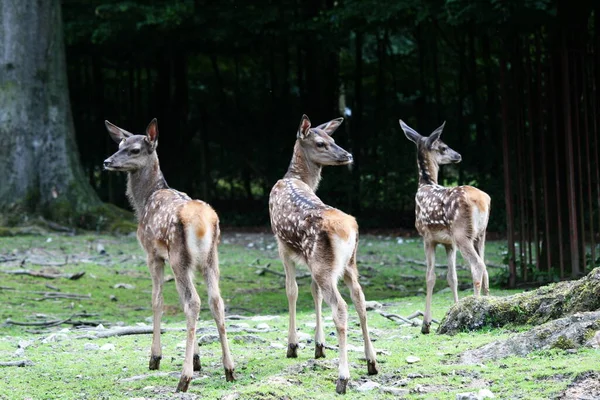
x=156, y=266
x=291, y=289
x=319, y=335
x=430, y=260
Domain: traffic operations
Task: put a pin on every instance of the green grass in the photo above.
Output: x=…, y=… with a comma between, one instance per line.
x=64, y=369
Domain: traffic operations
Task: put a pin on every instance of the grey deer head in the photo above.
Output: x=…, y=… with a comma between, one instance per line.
x=135, y=151
x=438, y=151
x=318, y=145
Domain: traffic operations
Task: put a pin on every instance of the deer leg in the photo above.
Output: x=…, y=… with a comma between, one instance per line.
x=358, y=298
x=217, y=308
x=191, y=307
x=476, y=263
x=291, y=289
x=157, y=267
x=339, y=310
x=430, y=277
x=480, y=248
x=451, y=275
x=319, y=335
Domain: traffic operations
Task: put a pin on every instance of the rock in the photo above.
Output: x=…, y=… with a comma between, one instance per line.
x=249, y=339
x=264, y=317
x=414, y=375
x=19, y=352
x=124, y=286
x=55, y=337
x=207, y=339
x=536, y=307
x=279, y=346
x=368, y=386
x=263, y=326
x=467, y=396
x=303, y=337
x=373, y=305
x=90, y=347
x=565, y=333
x=394, y=391
x=412, y=359
x=23, y=344
x=486, y=394
x=107, y=347
x=240, y=325
x=100, y=249
x=597, y=337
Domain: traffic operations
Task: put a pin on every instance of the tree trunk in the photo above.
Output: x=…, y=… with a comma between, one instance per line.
x=39, y=162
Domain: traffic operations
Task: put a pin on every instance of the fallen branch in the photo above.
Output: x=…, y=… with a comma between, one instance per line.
x=407, y=320
x=38, y=274
x=43, y=323
x=263, y=270
x=419, y=313
x=124, y=331
x=19, y=363
x=57, y=295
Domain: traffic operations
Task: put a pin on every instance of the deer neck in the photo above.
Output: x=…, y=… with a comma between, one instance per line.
x=304, y=169
x=143, y=182
x=428, y=169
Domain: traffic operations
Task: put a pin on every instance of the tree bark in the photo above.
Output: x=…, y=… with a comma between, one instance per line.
x=39, y=162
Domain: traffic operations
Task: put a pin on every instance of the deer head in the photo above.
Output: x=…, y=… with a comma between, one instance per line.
x=436, y=150
x=135, y=151
x=318, y=145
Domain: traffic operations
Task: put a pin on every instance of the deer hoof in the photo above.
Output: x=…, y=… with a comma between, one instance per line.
x=229, y=375
x=425, y=328
x=319, y=350
x=292, y=351
x=196, y=361
x=154, y=362
x=184, y=383
x=372, y=367
x=340, y=386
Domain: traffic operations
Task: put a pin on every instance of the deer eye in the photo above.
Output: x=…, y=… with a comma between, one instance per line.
x=134, y=151
x=321, y=144
x=443, y=149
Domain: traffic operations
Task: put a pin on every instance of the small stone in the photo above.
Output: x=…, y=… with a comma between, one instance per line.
x=412, y=359
x=303, y=337
x=249, y=339
x=414, y=375
x=148, y=388
x=368, y=386
x=90, y=347
x=207, y=339
x=263, y=326
x=23, y=344
x=124, y=286
x=240, y=325
x=373, y=305
x=108, y=347
x=467, y=396
x=100, y=249
x=19, y=352
x=112, y=297
x=394, y=391
x=277, y=346
x=486, y=394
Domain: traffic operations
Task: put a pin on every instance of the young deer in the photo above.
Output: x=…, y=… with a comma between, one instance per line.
x=322, y=237
x=454, y=217
x=176, y=228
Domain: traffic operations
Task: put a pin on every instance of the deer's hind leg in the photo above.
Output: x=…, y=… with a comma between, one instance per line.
x=430, y=259
x=451, y=275
x=480, y=249
x=217, y=308
x=358, y=298
x=156, y=265
x=183, y=270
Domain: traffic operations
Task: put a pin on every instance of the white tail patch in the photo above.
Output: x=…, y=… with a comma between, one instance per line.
x=344, y=248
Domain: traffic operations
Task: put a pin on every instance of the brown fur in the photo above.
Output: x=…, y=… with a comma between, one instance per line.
x=447, y=216
x=165, y=219
x=339, y=223
x=313, y=233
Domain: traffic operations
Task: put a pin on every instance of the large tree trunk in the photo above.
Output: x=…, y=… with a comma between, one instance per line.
x=39, y=163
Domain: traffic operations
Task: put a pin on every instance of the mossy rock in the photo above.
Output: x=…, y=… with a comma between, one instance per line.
x=529, y=308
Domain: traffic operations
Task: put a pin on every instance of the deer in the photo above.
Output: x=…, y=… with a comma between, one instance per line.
x=455, y=217
x=321, y=237
x=172, y=227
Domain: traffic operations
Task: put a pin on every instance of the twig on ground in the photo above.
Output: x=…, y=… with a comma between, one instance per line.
x=44, y=323
x=19, y=363
x=124, y=331
x=419, y=313
x=396, y=318
x=39, y=274
x=56, y=295
x=263, y=270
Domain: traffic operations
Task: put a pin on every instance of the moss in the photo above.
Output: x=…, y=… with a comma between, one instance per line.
x=563, y=343
x=543, y=335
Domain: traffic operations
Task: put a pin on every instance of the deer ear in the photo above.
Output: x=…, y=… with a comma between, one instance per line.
x=331, y=126
x=435, y=135
x=117, y=134
x=152, y=131
x=304, y=128
x=410, y=133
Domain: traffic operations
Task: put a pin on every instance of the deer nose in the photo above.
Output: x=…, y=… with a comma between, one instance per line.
x=350, y=158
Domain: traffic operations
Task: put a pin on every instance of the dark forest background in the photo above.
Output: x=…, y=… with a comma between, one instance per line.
x=516, y=81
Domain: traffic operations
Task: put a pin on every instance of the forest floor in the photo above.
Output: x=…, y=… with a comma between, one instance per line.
x=68, y=289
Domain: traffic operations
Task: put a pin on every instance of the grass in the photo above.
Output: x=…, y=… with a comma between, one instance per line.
x=64, y=367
